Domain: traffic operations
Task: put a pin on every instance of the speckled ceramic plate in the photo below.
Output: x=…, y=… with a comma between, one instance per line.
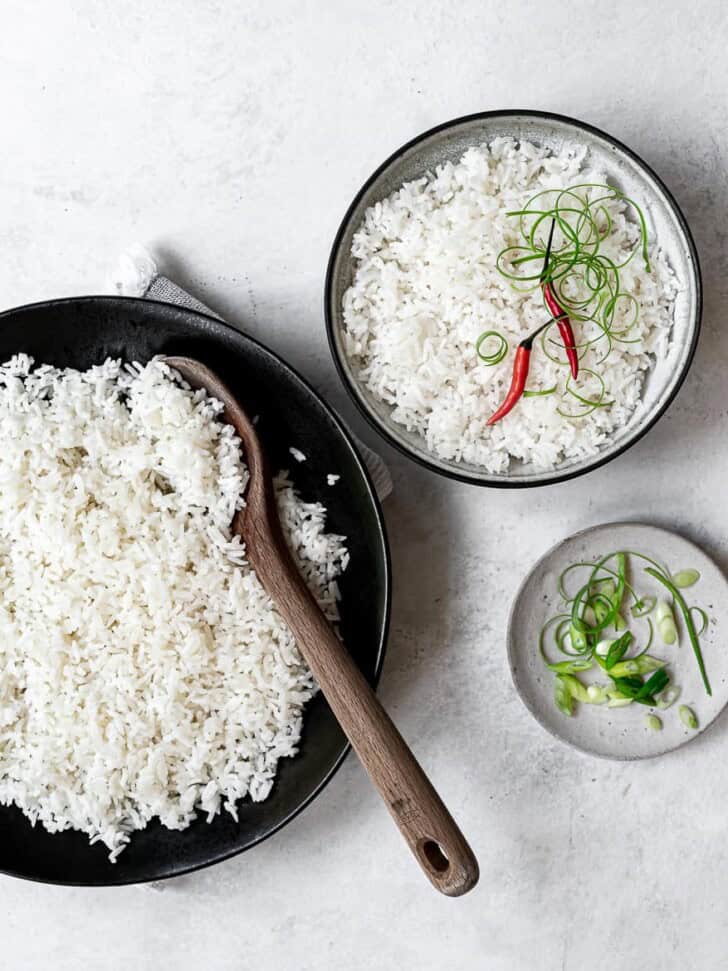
x=626, y=171
x=621, y=733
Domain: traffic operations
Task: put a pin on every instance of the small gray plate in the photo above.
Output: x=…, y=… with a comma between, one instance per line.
x=621, y=733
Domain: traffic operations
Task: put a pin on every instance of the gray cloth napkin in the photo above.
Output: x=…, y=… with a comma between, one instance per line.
x=137, y=275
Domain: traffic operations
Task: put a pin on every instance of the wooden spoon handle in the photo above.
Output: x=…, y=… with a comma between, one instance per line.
x=432, y=834
x=427, y=826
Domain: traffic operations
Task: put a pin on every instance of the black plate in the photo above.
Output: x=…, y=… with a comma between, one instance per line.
x=81, y=331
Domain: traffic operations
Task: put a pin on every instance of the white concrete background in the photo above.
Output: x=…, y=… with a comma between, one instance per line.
x=232, y=136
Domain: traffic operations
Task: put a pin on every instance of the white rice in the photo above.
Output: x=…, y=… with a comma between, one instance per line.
x=297, y=454
x=144, y=672
x=426, y=286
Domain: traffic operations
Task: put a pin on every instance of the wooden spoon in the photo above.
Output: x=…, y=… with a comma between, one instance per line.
x=427, y=826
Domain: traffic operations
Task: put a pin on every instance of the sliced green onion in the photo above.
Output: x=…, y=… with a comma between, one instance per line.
x=643, y=664
x=648, y=559
x=618, y=700
x=606, y=586
x=653, y=723
x=625, y=669
x=618, y=594
x=629, y=685
x=688, y=619
x=577, y=635
x=576, y=688
x=617, y=651
x=644, y=606
x=651, y=637
x=666, y=622
x=602, y=609
x=590, y=616
x=703, y=617
x=601, y=602
x=589, y=404
x=563, y=698
x=570, y=667
x=688, y=717
x=685, y=578
x=597, y=694
x=652, y=686
x=497, y=356
x=602, y=648
x=668, y=697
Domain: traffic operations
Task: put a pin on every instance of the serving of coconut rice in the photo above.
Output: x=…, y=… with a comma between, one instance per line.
x=144, y=671
x=426, y=286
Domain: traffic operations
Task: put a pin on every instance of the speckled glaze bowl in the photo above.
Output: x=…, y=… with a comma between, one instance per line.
x=624, y=170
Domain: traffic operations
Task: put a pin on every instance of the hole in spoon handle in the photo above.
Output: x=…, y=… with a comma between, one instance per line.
x=449, y=864
x=433, y=856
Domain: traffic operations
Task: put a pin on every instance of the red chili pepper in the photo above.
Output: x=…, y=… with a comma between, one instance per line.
x=558, y=312
x=521, y=365
x=522, y=359
x=564, y=325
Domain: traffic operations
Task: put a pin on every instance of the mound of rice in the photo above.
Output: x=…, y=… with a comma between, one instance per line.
x=426, y=286
x=144, y=672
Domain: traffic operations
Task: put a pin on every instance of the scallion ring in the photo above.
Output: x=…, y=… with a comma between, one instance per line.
x=497, y=356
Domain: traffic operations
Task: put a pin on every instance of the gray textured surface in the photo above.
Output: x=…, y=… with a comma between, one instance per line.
x=233, y=137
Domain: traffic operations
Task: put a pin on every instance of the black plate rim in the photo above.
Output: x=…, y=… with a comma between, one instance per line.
x=215, y=322
x=380, y=428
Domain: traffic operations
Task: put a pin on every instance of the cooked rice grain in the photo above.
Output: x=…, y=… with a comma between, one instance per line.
x=426, y=286
x=144, y=671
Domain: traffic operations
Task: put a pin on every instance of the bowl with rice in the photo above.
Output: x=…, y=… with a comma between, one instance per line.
x=513, y=298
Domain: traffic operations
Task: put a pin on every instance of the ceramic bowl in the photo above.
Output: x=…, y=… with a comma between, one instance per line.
x=625, y=170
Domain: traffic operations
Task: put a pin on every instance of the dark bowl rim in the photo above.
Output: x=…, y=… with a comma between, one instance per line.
x=381, y=428
x=382, y=538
